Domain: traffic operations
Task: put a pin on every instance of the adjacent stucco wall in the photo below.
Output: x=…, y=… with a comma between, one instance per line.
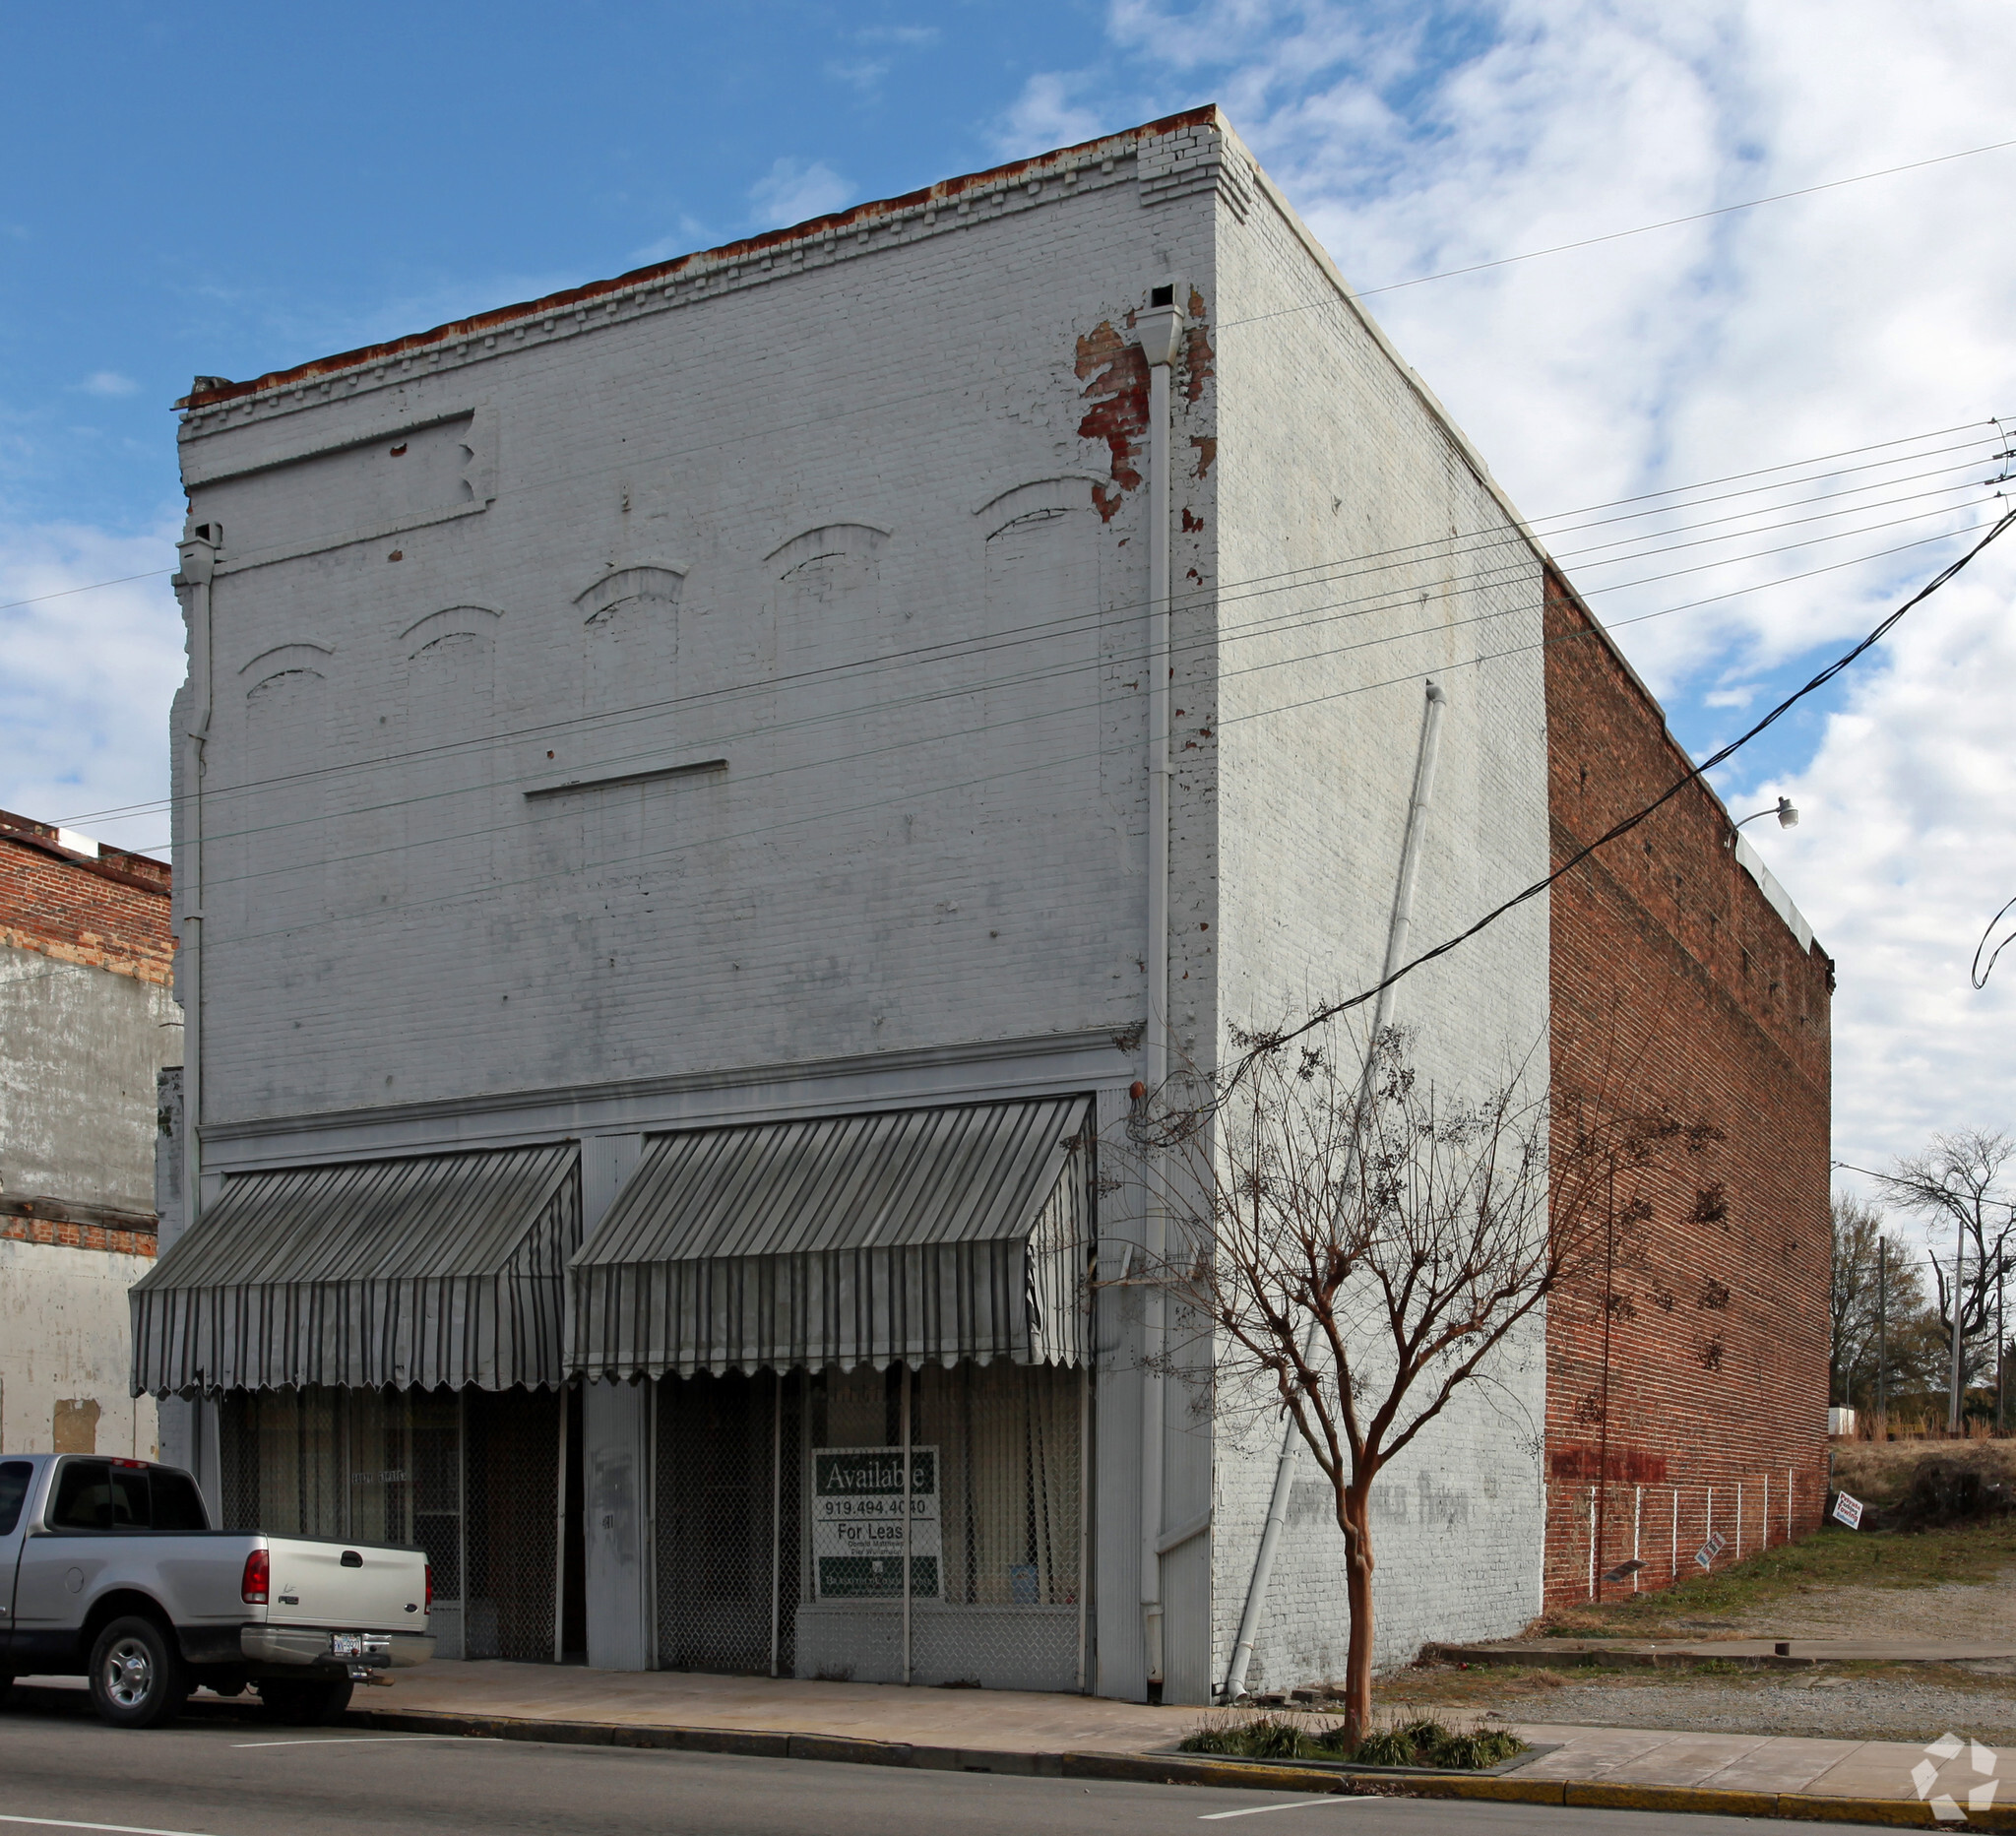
x=81, y=1046
x=64, y=1360
x=1359, y=554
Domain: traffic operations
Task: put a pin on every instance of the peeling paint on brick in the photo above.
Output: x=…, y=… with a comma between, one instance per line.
x=1115, y=376
x=1207, y=451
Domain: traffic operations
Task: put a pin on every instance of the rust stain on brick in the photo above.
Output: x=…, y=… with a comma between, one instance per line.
x=1626, y=1466
x=1116, y=377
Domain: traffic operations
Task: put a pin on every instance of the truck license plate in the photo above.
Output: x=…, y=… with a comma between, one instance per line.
x=347, y=1644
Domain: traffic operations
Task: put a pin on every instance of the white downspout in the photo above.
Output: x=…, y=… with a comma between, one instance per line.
x=198, y=556
x=199, y=546
x=1160, y=326
x=1396, y=953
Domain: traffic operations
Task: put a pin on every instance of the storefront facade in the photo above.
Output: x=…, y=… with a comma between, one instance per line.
x=684, y=1441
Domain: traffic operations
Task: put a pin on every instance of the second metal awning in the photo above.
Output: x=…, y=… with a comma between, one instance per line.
x=438, y=1269
x=920, y=1236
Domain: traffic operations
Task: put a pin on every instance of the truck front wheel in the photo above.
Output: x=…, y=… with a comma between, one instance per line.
x=307, y=1701
x=137, y=1677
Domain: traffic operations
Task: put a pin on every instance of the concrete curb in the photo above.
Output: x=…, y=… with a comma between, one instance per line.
x=1171, y=1769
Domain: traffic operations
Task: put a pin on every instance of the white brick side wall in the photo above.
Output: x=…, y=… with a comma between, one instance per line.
x=1359, y=558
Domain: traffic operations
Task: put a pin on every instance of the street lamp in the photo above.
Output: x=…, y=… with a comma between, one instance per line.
x=1787, y=816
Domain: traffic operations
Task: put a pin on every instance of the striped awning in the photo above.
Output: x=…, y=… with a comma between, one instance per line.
x=920, y=1236
x=442, y=1269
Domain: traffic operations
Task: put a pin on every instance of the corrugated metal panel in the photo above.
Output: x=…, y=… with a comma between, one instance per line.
x=922, y=1235
x=443, y=1269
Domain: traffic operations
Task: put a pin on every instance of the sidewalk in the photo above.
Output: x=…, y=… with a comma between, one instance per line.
x=1081, y=1737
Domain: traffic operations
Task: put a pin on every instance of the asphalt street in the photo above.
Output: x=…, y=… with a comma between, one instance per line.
x=211, y=1776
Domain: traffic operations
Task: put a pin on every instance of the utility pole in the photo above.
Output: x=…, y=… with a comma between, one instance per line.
x=2001, y=1341
x=1959, y=1265
x=1883, y=1333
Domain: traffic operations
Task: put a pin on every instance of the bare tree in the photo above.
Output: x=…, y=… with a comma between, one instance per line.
x=1363, y=1244
x=1880, y=1327
x=1959, y=1182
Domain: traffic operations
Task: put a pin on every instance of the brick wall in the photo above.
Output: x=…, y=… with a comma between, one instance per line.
x=111, y=912
x=85, y=1021
x=1676, y=982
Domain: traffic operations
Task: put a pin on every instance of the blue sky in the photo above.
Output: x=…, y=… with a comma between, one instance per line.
x=225, y=189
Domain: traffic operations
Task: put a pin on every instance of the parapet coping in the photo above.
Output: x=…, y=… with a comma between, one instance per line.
x=944, y=207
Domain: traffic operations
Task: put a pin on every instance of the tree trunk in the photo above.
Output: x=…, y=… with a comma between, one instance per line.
x=1358, y=1567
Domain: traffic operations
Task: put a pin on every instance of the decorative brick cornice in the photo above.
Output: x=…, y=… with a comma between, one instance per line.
x=1175, y=157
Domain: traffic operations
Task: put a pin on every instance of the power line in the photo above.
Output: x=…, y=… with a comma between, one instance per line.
x=960, y=691
x=834, y=813
x=1618, y=235
x=1980, y=971
x=1314, y=575
x=1331, y=1010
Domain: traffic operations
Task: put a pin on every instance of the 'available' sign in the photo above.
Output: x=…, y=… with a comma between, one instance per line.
x=857, y=1522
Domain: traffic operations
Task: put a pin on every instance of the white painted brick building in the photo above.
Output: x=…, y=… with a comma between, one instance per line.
x=718, y=697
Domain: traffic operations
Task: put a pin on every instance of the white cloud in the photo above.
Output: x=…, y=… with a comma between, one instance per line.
x=1902, y=857
x=863, y=73
x=1048, y=114
x=1805, y=327
x=86, y=677
x=109, y=383
x=792, y=191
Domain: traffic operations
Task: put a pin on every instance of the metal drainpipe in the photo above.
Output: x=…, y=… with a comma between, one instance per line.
x=1397, y=933
x=199, y=546
x=1160, y=327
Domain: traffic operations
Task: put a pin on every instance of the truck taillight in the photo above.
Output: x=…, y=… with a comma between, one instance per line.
x=258, y=1581
x=430, y=1587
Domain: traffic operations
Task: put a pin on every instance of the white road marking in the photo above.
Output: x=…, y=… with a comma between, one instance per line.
x=123, y=1829
x=348, y=1739
x=1301, y=1804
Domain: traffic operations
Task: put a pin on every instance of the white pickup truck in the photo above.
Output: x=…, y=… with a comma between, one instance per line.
x=110, y=1570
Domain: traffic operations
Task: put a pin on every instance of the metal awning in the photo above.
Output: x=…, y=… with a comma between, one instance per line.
x=443, y=1269
x=926, y=1236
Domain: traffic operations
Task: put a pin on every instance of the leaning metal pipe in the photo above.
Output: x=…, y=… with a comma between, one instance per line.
x=1159, y=326
x=1397, y=932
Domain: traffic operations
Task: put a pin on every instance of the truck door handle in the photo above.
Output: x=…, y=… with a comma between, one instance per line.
x=352, y=1560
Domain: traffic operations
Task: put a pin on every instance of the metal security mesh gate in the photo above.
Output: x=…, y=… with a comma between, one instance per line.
x=467, y=1476
x=783, y=1536
x=512, y=1441
x=728, y=1523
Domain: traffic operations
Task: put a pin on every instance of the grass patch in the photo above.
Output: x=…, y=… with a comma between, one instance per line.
x=1419, y=1742
x=1969, y=1555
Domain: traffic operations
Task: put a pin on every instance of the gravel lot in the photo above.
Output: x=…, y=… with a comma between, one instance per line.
x=1888, y=1702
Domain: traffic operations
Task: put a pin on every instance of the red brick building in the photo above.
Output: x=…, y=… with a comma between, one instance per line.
x=86, y=1024
x=1687, y=1392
